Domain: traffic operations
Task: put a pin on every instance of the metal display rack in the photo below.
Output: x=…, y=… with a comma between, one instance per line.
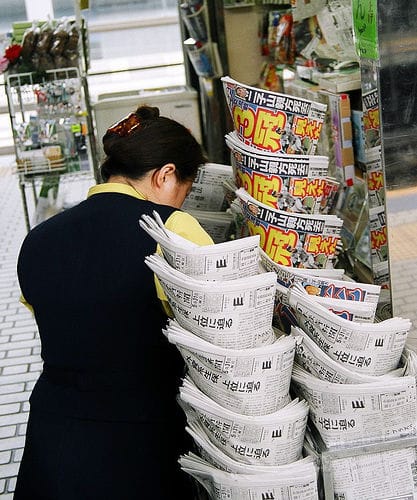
x=349, y=467
x=53, y=130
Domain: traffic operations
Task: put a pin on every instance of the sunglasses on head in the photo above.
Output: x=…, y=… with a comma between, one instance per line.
x=125, y=126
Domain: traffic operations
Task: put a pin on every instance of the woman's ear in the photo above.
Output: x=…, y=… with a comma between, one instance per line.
x=164, y=175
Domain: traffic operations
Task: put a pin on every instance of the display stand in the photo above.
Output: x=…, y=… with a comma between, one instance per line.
x=205, y=63
x=334, y=461
x=53, y=130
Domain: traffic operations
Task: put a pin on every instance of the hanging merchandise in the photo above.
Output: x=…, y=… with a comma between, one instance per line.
x=200, y=49
x=280, y=39
x=49, y=109
x=42, y=46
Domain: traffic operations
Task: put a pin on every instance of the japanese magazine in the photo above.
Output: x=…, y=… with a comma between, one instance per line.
x=379, y=239
x=371, y=119
x=293, y=183
x=292, y=239
x=375, y=178
x=274, y=122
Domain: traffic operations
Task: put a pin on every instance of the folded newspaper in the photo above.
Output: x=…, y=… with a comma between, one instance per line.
x=352, y=300
x=388, y=473
x=293, y=183
x=206, y=191
x=247, y=381
x=290, y=239
x=347, y=414
x=274, y=122
x=219, y=225
x=314, y=360
x=409, y=361
x=367, y=348
x=273, y=439
x=284, y=315
x=236, y=314
x=214, y=456
x=223, y=261
x=329, y=283
x=297, y=483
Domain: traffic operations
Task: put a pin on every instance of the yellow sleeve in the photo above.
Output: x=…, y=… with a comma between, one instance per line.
x=189, y=228
x=26, y=303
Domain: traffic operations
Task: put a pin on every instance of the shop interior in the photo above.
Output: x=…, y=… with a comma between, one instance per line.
x=358, y=61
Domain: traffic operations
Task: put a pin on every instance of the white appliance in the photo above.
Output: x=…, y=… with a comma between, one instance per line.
x=179, y=103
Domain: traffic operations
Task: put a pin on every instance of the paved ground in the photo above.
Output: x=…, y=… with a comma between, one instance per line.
x=402, y=237
x=20, y=362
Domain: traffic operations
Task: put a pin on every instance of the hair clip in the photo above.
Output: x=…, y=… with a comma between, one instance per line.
x=125, y=126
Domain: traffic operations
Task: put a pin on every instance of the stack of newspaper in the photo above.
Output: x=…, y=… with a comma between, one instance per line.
x=292, y=239
x=358, y=377
x=329, y=287
x=208, y=203
x=284, y=191
x=248, y=432
x=351, y=374
x=223, y=261
x=293, y=183
x=274, y=122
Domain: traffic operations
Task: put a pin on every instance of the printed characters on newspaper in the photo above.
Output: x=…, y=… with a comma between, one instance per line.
x=274, y=122
x=293, y=183
x=375, y=178
x=295, y=240
x=371, y=119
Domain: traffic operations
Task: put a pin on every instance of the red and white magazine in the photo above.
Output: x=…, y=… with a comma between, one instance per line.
x=278, y=123
x=292, y=239
x=293, y=183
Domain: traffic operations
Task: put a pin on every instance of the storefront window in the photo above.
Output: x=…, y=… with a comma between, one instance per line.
x=129, y=34
x=133, y=44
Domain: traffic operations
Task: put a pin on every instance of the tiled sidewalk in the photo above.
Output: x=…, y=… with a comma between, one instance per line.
x=20, y=362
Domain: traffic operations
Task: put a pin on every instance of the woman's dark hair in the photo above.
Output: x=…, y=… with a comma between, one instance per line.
x=145, y=141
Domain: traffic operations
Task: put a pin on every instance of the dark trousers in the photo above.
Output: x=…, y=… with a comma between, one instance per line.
x=74, y=459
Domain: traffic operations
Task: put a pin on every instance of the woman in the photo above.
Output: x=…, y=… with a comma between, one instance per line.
x=104, y=422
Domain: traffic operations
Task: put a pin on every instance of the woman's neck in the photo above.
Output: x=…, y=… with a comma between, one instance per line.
x=137, y=185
